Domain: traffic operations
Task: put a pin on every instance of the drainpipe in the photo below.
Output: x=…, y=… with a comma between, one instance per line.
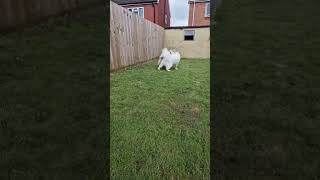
x=194, y=8
x=154, y=13
x=164, y=23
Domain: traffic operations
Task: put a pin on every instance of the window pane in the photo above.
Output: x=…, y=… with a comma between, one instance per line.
x=141, y=12
x=208, y=9
x=188, y=38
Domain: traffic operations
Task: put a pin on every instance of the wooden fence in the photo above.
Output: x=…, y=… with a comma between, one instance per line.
x=18, y=12
x=133, y=39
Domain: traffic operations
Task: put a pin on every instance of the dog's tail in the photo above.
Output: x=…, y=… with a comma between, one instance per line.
x=175, y=48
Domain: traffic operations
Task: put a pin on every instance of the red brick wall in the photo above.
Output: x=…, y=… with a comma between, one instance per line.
x=161, y=10
x=199, y=15
x=148, y=11
x=155, y=12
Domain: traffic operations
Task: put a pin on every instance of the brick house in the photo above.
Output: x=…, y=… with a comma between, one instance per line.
x=156, y=11
x=199, y=13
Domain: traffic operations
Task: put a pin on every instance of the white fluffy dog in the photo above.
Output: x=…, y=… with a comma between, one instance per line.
x=169, y=58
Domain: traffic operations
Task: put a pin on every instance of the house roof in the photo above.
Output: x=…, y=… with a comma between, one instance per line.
x=122, y=2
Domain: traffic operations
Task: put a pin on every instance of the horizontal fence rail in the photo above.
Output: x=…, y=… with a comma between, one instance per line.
x=19, y=12
x=133, y=39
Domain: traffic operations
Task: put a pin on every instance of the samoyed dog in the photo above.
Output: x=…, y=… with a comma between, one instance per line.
x=169, y=58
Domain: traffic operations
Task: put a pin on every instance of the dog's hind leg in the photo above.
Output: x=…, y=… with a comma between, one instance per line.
x=176, y=67
x=168, y=66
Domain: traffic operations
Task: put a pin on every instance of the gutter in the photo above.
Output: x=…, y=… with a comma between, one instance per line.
x=127, y=4
x=187, y=27
x=199, y=1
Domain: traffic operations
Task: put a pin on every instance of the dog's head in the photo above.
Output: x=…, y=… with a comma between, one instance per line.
x=164, y=50
x=165, y=53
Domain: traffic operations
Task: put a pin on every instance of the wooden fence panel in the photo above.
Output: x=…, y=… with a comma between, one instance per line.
x=133, y=39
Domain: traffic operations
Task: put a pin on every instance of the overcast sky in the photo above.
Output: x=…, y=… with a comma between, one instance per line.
x=179, y=10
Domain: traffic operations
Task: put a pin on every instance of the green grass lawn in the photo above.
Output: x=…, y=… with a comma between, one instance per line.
x=266, y=90
x=160, y=122
x=53, y=98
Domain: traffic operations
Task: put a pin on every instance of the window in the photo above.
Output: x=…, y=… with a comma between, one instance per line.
x=207, y=11
x=138, y=11
x=188, y=35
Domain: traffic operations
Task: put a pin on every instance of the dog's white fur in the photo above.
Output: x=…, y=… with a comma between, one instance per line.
x=169, y=58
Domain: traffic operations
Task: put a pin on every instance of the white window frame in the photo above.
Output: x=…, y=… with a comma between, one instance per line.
x=206, y=10
x=193, y=34
x=137, y=9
